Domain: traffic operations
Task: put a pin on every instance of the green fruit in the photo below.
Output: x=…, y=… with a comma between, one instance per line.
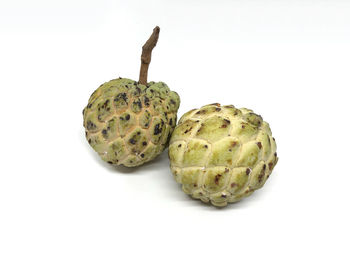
x=221, y=154
x=129, y=123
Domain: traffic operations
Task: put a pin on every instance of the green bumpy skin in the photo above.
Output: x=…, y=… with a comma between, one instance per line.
x=128, y=123
x=221, y=154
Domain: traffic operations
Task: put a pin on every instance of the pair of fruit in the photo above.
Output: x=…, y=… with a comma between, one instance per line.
x=219, y=154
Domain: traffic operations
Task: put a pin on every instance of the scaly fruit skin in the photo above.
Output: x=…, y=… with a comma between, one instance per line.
x=221, y=154
x=129, y=124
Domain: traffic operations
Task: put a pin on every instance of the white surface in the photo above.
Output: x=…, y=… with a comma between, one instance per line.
x=287, y=60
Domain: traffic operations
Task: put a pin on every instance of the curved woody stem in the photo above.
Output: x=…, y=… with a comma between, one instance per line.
x=146, y=55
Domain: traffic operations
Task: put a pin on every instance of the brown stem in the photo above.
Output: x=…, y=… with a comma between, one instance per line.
x=146, y=55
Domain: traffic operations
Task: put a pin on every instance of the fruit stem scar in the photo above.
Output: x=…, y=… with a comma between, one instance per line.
x=146, y=55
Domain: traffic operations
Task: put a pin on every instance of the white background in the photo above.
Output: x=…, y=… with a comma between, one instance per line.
x=287, y=60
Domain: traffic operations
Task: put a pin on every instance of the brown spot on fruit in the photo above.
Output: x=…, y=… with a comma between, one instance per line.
x=223, y=195
x=188, y=130
x=206, y=146
x=217, y=109
x=233, y=185
x=248, y=171
x=157, y=129
x=260, y=177
x=146, y=101
x=259, y=144
x=262, y=173
x=201, y=112
x=121, y=96
x=144, y=143
x=217, y=178
x=270, y=166
x=90, y=125
x=105, y=103
x=138, y=104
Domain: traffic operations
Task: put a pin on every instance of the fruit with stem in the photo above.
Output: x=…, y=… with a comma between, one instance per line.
x=130, y=122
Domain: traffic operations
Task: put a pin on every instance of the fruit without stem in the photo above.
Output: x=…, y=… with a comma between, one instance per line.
x=221, y=154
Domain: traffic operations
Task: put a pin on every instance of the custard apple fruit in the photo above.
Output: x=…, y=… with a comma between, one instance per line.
x=128, y=123
x=221, y=154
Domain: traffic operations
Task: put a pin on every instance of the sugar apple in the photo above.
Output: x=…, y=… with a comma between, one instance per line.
x=127, y=122
x=221, y=154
